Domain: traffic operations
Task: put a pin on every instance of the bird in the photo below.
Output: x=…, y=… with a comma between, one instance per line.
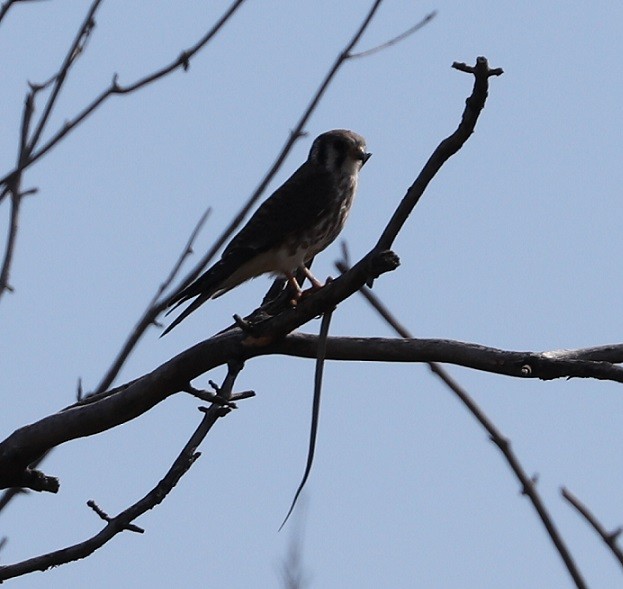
x=299, y=220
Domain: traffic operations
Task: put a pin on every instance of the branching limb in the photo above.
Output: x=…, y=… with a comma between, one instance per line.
x=447, y=148
x=111, y=409
x=527, y=483
x=610, y=538
x=182, y=61
x=90, y=426
x=123, y=521
x=11, y=184
x=30, y=149
x=108, y=410
x=13, y=188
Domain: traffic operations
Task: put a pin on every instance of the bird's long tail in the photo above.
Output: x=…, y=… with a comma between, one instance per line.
x=186, y=312
x=203, y=288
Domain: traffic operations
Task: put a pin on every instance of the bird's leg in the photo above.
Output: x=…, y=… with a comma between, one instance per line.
x=316, y=284
x=295, y=285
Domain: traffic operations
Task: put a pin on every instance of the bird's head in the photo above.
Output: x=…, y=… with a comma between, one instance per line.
x=340, y=152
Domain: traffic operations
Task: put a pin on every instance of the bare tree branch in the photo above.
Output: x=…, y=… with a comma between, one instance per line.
x=30, y=151
x=12, y=182
x=151, y=312
x=527, y=483
x=447, y=148
x=5, y=6
x=182, y=61
x=610, y=538
x=429, y=17
x=14, y=189
x=478, y=357
x=123, y=521
x=124, y=403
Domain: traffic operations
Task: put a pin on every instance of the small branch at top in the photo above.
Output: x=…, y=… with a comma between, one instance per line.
x=429, y=17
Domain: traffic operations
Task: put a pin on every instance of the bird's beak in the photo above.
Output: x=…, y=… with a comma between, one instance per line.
x=364, y=157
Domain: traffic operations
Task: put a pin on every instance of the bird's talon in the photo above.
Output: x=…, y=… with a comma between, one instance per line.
x=310, y=291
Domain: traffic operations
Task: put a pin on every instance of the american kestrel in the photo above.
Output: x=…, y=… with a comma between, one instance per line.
x=299, y=220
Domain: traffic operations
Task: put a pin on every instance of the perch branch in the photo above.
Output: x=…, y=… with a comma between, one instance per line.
x=109, y=410
x=126, y=402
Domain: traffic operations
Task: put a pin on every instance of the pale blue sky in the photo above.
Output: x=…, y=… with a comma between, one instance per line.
x=516, y=245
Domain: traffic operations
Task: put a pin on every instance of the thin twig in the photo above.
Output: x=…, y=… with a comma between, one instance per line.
x=182, y=61
x=398, y=38
x=13, y=187
x=322, y=352
x=75, y=50
x=5, y=6
x=610, y=538
x=9, y=248
x=151, y=312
